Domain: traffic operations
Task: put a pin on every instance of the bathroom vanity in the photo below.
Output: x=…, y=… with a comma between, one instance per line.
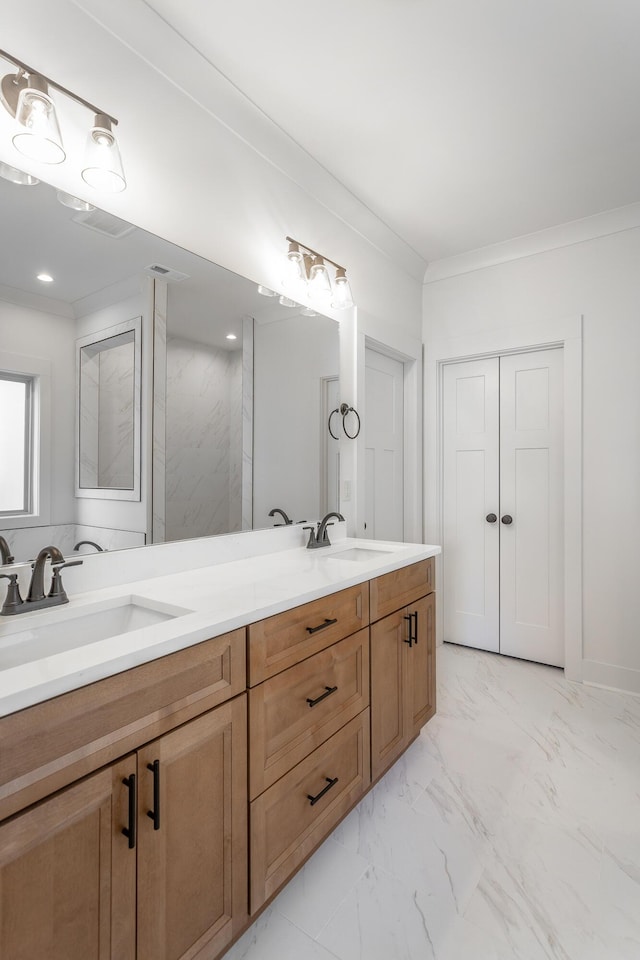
x=159, y=786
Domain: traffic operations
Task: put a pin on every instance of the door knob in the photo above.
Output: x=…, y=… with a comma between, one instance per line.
x=491, y=518
x=507, y=519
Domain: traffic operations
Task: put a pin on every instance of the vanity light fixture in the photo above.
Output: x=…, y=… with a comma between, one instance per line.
x=265, y=291
x=25, y=95
x=306, y=276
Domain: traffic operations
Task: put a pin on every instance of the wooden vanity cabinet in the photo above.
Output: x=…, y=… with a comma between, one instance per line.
x=402, y=662
x=309, y=731
x=74, y=885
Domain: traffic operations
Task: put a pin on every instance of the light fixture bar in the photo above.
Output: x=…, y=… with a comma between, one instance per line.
x=315, y=253
x=52, y=83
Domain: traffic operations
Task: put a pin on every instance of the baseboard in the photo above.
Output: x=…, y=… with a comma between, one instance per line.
x=611, y=676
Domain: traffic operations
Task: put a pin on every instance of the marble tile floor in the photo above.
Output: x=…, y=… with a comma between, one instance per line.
x=510, y=830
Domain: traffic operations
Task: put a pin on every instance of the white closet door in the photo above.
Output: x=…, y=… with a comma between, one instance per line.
x=384, y=447
x=471, y=494
x=531, y=546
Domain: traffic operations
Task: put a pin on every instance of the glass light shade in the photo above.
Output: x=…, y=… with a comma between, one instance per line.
x=38, y=136
x=74, y=203
x=102, y=165
x=287, y=302
x=265, y=291
x=294, y=274
x=319, y=282
x=14, y=175
x=342, y=298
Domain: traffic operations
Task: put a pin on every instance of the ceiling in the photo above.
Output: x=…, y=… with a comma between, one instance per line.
x=459, y=123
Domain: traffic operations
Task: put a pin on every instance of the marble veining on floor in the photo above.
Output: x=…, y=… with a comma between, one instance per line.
x=510, y=830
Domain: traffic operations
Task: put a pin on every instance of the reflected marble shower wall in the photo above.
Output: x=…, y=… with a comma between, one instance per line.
x=203, y=494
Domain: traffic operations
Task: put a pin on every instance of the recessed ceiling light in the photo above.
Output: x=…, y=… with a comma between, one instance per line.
x=231, y=336
x=45, y=278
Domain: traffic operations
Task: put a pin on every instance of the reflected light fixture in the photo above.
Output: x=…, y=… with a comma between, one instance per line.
x=25, y=95
x=231, y=336
x=44, y=278
x=74, y=203
x=307, y=276
x=7, y=172
x=265, y=291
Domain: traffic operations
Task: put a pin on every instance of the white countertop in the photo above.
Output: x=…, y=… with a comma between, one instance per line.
x=215, y=599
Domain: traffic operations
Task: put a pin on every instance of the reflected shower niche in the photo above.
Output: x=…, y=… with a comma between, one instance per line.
x=108, y=410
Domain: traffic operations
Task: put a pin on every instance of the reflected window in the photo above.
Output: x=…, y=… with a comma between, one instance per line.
x=16, y=444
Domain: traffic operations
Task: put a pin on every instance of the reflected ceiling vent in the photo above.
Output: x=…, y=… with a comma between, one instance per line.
x=165, y=273
x=104, y=223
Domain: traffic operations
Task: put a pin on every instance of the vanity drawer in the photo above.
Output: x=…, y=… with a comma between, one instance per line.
x=396, y=589
x=287, y=638
x=47, y=746
x=286, y=826
x=285, y=726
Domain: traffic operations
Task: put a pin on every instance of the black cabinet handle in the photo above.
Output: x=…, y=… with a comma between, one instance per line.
x=319, y=796
x=491, y=518
x=327, y=693
x=155, y=813
x=415, y=627
x=409, y=617
x=322, y=626
x=130, y=831
x=507, y=519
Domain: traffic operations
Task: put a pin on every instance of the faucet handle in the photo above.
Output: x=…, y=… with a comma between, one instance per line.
x=13, y=600
x=312, y=537
x=57, y=591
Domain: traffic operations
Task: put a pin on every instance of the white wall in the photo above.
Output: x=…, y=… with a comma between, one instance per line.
x=600, y=280
x=290, y=359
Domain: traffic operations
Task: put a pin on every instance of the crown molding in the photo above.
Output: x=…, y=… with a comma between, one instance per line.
x=563, y=235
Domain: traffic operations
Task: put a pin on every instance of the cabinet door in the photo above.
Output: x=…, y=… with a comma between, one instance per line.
x=389, y=639
x=67, y=874
x=192, y=856
x=420, y=658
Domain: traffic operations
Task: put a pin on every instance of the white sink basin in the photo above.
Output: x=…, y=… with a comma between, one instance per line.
x=358, y=554
x=70, y=629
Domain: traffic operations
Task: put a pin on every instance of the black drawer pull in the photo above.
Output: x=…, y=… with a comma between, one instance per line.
x=327, y=693
x=130, y=831
x=410, y=619
x=319, y=796
x=155, y=813
x=415, y=627
x=322, y=626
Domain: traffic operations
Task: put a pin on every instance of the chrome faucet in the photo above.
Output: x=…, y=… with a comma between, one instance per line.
x=5, y=552
x=36, y=599
x=321, y=538
x=287, y=522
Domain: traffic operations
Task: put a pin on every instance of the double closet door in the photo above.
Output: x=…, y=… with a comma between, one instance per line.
x=503, y=505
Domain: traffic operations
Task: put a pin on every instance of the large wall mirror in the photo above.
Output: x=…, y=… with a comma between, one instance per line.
x=234, y=387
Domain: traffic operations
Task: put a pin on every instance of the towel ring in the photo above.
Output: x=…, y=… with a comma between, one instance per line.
x=329, y=423
x=345, y=411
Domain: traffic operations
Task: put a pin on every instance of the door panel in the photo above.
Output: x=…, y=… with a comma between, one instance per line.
x=67, y=875
x=188, y=885
x=471, y=491
x=531, y=547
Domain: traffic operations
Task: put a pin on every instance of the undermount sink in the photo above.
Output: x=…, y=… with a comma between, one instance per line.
x=81, y=627
x=358, y=553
